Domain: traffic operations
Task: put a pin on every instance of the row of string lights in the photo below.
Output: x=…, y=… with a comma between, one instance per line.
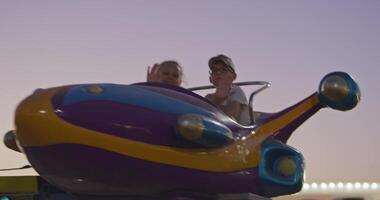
x=340, y=186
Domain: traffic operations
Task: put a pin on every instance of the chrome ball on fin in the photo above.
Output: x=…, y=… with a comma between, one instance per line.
x=338, y=90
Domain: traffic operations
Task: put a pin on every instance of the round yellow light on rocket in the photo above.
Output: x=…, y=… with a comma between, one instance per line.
x=94, y=89
x=190, y=126
x=335, y=88
x=286, y=166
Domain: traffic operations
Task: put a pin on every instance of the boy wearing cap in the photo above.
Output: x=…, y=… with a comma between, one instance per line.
x=227, y=96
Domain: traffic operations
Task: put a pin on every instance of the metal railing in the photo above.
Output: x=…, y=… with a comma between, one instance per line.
x=264, y=85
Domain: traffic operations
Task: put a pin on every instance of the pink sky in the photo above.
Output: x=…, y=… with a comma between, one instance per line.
x=291, y=44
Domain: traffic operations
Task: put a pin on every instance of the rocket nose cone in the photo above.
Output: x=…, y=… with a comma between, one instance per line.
x=32, y=115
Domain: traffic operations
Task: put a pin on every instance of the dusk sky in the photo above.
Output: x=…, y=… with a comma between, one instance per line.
x=290, y=43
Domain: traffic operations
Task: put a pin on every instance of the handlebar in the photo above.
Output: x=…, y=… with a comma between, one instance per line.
x=264, y=84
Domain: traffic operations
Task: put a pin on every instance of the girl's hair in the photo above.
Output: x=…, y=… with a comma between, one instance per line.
x=172, y=62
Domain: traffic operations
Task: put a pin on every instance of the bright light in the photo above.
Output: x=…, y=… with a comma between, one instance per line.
x=332, y=186
x=366, y=186
x=358, y=185
x=323, y=186
x=340, y=185
x=314, y=186
x=306, y=186
x=374, y=186
x=349, y=186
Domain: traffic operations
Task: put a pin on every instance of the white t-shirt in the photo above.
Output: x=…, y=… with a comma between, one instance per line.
x=238, y=95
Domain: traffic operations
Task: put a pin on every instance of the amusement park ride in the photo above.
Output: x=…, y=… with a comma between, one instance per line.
x=157, y=141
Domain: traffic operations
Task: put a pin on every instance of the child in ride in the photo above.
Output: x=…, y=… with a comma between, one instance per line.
x=228, y=97
x=169, y=71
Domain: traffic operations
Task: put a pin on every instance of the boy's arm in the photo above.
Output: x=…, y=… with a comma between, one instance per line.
x=232, y=109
